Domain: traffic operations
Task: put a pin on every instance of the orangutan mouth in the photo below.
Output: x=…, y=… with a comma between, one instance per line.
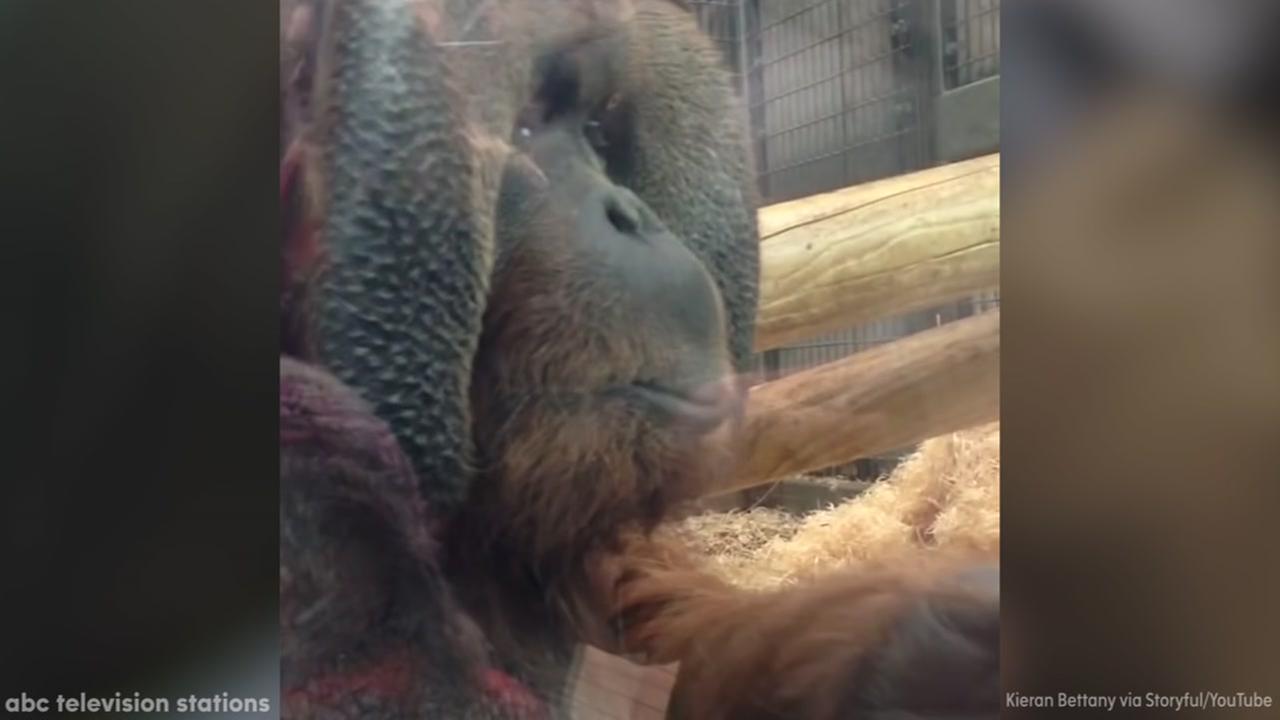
x=699, y=409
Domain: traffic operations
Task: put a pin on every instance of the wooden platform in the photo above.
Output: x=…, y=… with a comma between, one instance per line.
x=608, y=687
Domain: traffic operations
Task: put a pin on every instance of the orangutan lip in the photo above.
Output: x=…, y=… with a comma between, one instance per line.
x=702, y=410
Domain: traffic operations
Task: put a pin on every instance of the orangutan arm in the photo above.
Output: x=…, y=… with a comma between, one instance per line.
x=916, y=634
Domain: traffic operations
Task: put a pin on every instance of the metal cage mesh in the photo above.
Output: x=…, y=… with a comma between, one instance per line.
x=970, y=41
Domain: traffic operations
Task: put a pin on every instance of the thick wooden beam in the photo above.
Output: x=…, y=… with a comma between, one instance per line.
x=934, y=382
x=877, y=250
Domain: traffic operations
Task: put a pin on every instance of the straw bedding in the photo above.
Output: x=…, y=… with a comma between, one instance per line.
x=945, y=495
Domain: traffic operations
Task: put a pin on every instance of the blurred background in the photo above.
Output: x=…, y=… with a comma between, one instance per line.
x=139, y=240
x=1141, y=349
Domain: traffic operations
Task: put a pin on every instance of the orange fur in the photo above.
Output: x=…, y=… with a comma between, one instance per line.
x=799, y=652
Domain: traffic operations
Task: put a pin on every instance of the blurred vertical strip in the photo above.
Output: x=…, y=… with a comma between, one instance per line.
x=139, y=253
x=1140, y=349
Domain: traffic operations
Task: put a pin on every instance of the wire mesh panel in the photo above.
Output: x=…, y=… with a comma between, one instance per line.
x=841, y=344
x=721, y=20
x=844, y=91
x=833, y=91
x=970, y=41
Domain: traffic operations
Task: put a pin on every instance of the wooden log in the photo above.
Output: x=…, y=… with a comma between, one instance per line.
x=934, y=382
x=877, y=250
x=609, y=686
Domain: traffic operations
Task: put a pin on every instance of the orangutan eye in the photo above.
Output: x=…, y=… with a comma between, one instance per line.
x=595, y=135
x=530, y=120
x=602, y=127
